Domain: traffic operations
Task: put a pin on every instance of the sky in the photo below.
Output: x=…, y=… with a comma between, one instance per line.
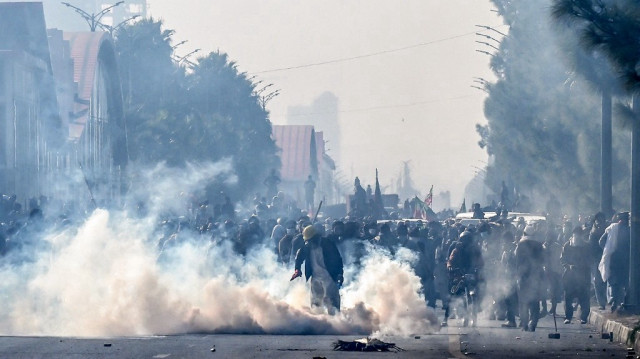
x=402, y=72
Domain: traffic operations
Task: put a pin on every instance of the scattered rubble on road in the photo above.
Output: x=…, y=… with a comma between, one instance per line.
x=366, y=345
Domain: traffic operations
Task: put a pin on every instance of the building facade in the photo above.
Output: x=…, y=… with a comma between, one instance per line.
x=62, y=131
x=302, y=154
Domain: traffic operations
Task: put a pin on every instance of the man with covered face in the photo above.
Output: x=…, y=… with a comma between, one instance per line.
x=323, y=265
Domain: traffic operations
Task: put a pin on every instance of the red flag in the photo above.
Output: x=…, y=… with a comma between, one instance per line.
x=429, y=200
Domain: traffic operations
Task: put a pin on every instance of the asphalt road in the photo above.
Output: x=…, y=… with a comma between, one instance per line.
x=488, y=340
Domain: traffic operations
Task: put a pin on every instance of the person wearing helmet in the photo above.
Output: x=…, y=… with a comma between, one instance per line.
x=530, y=277
x=323, y=265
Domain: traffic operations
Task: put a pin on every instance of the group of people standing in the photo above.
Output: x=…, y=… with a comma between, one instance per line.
x=520, y=267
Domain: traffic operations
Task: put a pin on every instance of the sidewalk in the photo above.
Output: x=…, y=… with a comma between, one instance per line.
x=622, y=326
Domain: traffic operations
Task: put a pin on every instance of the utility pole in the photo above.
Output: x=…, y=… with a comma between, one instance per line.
x=93, y=19
x=606, y=192
x=634, y=217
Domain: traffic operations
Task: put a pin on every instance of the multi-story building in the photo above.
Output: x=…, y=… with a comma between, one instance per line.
x=61, y=118
x=29, y=123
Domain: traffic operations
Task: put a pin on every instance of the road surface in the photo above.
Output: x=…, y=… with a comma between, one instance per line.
x=487, y=340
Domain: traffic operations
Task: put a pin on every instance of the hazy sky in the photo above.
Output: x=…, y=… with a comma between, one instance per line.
x=411, y=99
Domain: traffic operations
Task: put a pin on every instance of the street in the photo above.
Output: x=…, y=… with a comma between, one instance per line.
x=488, y=340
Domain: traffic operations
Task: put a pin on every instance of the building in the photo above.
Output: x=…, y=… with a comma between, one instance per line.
x=61, y=110
x=323, y=115
x=302, y=154
x=30, y=125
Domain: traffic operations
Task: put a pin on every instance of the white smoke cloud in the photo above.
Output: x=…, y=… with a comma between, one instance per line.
x=109, y=277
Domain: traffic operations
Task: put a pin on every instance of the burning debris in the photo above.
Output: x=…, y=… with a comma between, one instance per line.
x=366, y=345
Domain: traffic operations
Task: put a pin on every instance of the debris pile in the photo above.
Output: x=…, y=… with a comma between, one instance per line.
x=365, y=345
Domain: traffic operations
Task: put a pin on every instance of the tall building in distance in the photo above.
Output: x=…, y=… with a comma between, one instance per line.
x=323, y=115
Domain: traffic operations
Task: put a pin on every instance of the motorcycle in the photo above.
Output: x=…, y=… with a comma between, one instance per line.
x=464, y=286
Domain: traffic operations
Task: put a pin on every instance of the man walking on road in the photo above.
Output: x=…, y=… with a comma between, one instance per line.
x=530, y=278
x=323, y=265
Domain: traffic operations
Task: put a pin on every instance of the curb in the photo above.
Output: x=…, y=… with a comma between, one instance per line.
x=621, y=332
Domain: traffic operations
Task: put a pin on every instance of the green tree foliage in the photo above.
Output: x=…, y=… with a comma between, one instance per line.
x=612, y=27
x=543, y=121
x=204, y=112
x=227, y=101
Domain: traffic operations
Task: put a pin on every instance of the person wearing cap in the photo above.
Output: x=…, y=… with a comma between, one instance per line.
x=323, y=267
x=530, y=277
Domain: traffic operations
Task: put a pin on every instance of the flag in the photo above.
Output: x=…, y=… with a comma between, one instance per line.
x=418, y=208
x=429, y=200
x=463, y=208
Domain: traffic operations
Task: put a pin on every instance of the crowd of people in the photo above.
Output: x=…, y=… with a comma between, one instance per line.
x=521, y=269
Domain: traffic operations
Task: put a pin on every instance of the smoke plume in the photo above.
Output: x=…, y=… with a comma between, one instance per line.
x=108, y=275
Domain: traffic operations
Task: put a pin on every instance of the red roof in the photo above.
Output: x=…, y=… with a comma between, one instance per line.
x=85, y=47
x=298, y=156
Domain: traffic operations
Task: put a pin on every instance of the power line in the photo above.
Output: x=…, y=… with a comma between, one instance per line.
x=345, y=59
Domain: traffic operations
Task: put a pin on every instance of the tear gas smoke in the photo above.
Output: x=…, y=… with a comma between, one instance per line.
x=109, y=276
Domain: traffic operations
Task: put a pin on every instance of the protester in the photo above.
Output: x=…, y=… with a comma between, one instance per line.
x=614, y=265
x=599, y=286
x=530, y=277
x=576, y=259
x=323, y=265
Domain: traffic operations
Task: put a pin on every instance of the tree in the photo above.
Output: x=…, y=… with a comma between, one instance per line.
x=613, y=28
x=206, y=114
x=541, y=126
x=227, y=98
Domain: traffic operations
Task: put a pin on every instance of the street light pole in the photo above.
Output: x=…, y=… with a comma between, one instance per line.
x=93, y=19
x=492, y=29
x=180, y=59
x=178, y=44
x=485, y=52
x=113, y=29
x=488, y=44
